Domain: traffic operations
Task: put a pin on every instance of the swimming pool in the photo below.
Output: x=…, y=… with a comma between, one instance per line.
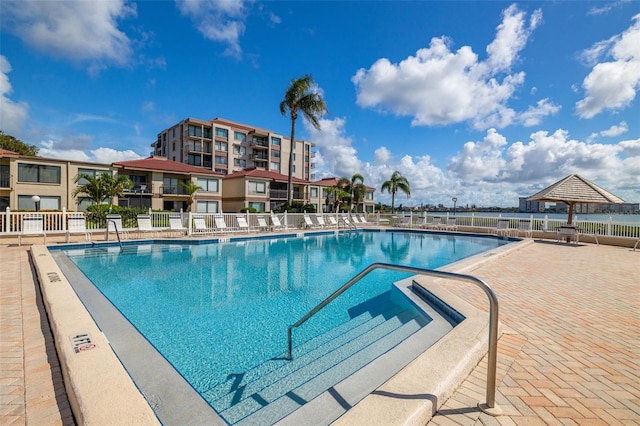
x=219, y=312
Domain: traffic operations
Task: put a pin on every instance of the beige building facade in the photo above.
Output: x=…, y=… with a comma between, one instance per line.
x=227, y=147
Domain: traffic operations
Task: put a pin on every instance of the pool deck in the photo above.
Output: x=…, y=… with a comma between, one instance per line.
x=570, y=352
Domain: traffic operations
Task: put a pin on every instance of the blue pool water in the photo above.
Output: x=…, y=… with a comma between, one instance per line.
x=221, y=310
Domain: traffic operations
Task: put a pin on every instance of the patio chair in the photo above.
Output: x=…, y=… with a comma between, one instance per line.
x=332, y=220
x=221, y=225
x=435, y=223
x=320, y=220
x=32, y=224
x=262, y=223
x=503, y=227
x=77, y=224
x=308, y=223
x=175, y=224
x=354, y=219
x=526, y=227
x=636, y=244
x=242, y=223
x=145, y=226
x=452, y=224
x=114, y=224
x=568, y=233
x=348, y=223
x=276, y=224
x=200, y=225
x=363, y=220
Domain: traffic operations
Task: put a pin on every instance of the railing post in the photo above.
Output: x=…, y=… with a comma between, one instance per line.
x=64, y=218
x=609, y=225
x=7, y=220
x=189, y=224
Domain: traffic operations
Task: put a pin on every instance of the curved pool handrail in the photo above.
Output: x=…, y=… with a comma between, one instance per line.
x=490, y=405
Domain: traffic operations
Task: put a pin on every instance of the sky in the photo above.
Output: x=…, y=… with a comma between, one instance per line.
x=485, y=101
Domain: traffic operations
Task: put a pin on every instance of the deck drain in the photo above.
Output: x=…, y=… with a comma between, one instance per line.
x=53, y=277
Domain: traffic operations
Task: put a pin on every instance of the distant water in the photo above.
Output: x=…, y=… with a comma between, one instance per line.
x=594, y=217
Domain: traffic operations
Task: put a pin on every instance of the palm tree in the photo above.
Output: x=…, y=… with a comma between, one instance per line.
x=191, y=187
x=115, y=186
x=93, y=190
x=396, y=183
x=354, y=183
x=300, y=98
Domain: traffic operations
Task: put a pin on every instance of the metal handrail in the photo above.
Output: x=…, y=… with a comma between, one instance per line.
x=117, y=233
x=492, y=351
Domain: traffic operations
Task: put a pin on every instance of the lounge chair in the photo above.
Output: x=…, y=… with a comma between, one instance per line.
x=347, y=222
x=332, y=220
x=452, y=224
x=221, y=225
x=308, y=223
x=276, y=224
x=200, y=225
x=636, y=244
x=32, y=224
x=435, y=223
x=363, y=220
x=526, y=227
x=175, y=224
x=568, y=233
x=503, y=227
x=354, y=219
x=262, y=223
x=77, y=224
x=242, y=223
x=114, y=224
x=320, y=220
x=145, y=226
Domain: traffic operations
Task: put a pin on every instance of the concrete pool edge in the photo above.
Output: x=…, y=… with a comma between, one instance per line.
x=93, y=396
x=99, y=388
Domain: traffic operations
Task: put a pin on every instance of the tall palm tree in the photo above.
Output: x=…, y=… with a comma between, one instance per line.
x=93, y=190
x=396, y=183
x=299, y=97
x=354, y=183
x=191, y=187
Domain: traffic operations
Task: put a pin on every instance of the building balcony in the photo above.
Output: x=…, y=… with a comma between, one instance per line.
x=173, y=190
x=281, y=194
x=260, y=143
x=258, y=156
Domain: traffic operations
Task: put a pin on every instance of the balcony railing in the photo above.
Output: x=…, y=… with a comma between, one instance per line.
x=260, y=156
x=260, y=143
x=282, y=194
x=173, y=190
x=5, y=181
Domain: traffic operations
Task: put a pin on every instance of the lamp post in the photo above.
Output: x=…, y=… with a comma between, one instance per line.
x=142, y=189
x=455, y=200
x=36, y=200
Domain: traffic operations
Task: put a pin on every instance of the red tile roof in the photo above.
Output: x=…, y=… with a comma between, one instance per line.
x=7, y=153
x=333, y=181
x=164, y=165
x=264, y=174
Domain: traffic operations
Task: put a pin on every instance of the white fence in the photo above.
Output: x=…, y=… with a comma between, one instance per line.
x=57, y=222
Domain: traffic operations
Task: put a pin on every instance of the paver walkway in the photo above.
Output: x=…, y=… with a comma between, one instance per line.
x=570, y=354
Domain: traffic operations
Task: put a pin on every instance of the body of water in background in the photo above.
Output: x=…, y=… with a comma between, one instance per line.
x=593, y=217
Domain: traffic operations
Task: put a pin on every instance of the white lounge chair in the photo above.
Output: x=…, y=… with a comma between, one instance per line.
x=262, y=223
x=525, y=226
x=276, y=222
x=221, y=225
x=568, y=233
x=175, y=224
x=435, y=223
x=145, y=226
x=308, y=223
x=242, y=223
x=320, y=220
x=77, y=224
x=114, y=224
x=503, y=227
x=354, y=219
x=332, y=220
x=452, y=224
x=32, y=224
x=200, y=225
x=363, y=220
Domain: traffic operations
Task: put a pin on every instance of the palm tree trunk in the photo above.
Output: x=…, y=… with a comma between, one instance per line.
x=291, y=145
x=393, y=203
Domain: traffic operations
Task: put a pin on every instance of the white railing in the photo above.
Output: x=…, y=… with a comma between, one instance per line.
x=56, y=222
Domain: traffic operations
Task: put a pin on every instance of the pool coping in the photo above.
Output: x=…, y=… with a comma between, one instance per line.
x=96, y=381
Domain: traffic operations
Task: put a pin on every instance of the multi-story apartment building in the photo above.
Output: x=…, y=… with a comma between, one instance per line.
x=227, y=147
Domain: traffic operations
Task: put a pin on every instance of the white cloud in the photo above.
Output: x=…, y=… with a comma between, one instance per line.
x=51, y=149
x=220, y=21
x=608, y=6
x=612, y=85
x=79, y=30
x=438, y=86
x=14, y=115
x=616, y=130
x=336, y=155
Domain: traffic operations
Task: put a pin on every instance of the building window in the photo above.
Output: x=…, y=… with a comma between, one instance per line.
x=314, y=192
x=369, y=195
x=89, y=172
x=275, y=166
x=222, y=133
x=207, y=132
x=256, y=205
x=275, y=141
x=239, y=150
x=221, y=160
x=241, y=137
x=222, y=146
x=294, y=156
x=46, y=203
x=195, y=131
x=239, y=162
x=257, y=187
x=221, y=171
x=209, y=185
x=38, y=173
x=207, y=206
x=173, y=133
x=294, y=168
x=275, y=154
x=194, y=160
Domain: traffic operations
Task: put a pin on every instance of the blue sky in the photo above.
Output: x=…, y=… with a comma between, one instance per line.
x=482, y=100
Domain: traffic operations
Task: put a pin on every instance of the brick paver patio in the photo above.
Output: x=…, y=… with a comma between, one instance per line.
x=570, y=353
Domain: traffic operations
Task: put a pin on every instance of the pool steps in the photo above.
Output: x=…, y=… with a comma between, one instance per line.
x=277, y=387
